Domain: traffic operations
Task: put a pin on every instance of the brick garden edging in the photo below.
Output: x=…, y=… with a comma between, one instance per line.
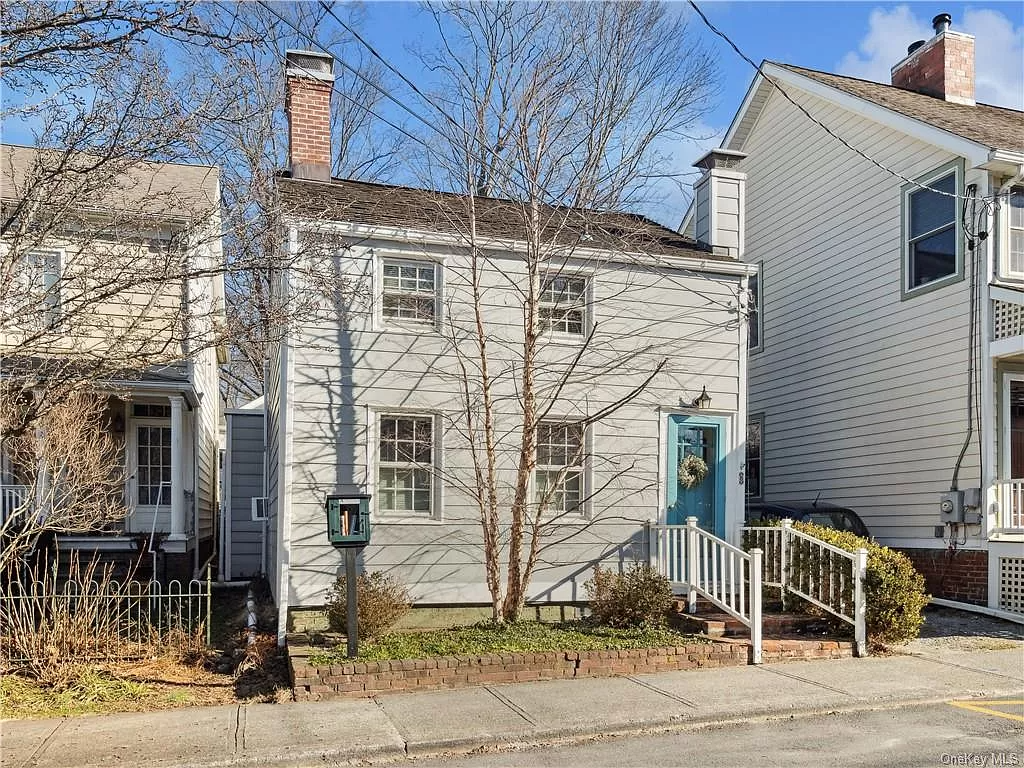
x=368, y=678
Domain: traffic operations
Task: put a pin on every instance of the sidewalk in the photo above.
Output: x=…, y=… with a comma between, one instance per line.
x=394, y=726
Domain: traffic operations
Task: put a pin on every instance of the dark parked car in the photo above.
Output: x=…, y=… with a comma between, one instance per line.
x=817, y=512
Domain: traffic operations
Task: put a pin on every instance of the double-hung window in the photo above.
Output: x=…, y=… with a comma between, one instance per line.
x=932, y=253
x=1015, y=249
x=558, y=477
x=405, y=465
x=409, y=294
x=37, y=290
x=563, y=305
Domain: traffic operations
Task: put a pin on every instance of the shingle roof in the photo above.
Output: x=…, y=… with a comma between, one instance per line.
x=360, y=202
x=994, y=127
x=172, y=190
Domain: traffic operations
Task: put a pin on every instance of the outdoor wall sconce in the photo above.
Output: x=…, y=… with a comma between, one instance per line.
x=703, y=401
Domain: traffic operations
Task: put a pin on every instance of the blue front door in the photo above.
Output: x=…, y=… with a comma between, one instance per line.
x=700, y=436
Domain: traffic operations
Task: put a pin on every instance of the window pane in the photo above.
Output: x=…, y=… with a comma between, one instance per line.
x=1017, y=209
x=933, y=258
x=406, y=445
x=1017, y=250
x=930, y=210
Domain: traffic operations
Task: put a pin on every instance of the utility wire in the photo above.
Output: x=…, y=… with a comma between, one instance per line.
x=313, y=41
x=816, y=121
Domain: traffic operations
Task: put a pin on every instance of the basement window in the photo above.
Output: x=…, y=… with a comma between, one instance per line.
x=932, y=252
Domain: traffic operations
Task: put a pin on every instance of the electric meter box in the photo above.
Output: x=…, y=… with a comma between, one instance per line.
x=348, y=520
x=951, y=507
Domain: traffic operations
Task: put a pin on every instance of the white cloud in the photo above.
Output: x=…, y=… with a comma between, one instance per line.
x=999, y=50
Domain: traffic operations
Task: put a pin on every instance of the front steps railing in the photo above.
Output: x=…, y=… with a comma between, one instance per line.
x=823, y=575
x=712, y=568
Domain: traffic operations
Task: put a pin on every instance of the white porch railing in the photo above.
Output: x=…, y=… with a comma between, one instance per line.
x=826, y=576
x=705, y=565
x=12, y=498
x=1011, y=505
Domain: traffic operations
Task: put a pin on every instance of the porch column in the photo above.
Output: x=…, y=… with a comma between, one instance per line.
x=177, y=468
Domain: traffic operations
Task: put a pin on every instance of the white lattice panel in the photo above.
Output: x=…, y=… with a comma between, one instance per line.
x=1011, y=584
x=1007, y=319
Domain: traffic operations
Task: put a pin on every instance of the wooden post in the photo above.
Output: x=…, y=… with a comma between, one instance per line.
x=352, y=620
x=860, y=628
x=784, y=558
x=755, y=605
x=649, y=538
x=692, y=558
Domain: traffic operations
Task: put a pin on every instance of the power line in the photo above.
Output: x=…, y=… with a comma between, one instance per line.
x=312, y=40
x=759, y=68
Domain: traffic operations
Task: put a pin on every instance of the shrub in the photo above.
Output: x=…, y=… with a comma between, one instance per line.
x=893, y=589
x=382, y=599
x=641, y=597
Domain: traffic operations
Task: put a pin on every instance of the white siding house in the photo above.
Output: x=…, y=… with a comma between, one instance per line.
x=368, y=394
x=125, y=320
x=865, y=375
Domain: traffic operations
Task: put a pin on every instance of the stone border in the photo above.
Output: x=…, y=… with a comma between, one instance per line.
x=369, y=678
x=361, y=679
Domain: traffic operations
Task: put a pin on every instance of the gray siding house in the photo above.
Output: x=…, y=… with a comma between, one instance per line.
x=370, y=394
x=244, y=541
x=876, y=381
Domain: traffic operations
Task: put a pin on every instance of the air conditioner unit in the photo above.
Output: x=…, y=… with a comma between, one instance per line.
x=259, y=508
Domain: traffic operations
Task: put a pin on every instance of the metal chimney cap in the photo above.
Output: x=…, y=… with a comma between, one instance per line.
x=311, y=64
x=719, y=158
x=941, y=23
x=914, y=46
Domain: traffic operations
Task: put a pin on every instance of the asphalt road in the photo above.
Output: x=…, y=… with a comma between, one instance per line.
x=989, y=735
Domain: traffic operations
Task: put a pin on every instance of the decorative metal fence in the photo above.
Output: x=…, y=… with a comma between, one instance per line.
x=824, y=575
x=102, y=620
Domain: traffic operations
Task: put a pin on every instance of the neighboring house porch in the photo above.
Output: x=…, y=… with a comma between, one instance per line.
x=1004, y=520
x=169, y=507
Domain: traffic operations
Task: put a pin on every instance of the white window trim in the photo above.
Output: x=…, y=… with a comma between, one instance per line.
x=588, y=306
x=436, y=515
x=759, y=298
x=585, y=513
x=395, y=325
x=955, y=167
x=1005, y=237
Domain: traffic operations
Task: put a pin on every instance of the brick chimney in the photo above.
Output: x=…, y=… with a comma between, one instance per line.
x=718, y=202
x=309, y=80
x=941, y=67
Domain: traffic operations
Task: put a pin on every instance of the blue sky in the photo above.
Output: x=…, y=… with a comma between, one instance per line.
x=861, y=39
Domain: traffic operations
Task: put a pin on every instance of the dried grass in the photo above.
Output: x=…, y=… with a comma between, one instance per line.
x=54, y=628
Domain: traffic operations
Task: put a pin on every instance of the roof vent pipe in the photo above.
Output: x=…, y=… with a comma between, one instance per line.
x=941, y=23
x=914, y=46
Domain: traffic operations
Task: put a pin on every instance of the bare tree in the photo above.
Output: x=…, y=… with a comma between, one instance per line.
x=105, y=89
x=562, y=111
x=70, y=474
x=249, y=146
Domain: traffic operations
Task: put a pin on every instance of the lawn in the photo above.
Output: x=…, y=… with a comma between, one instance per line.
x=521, y=637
